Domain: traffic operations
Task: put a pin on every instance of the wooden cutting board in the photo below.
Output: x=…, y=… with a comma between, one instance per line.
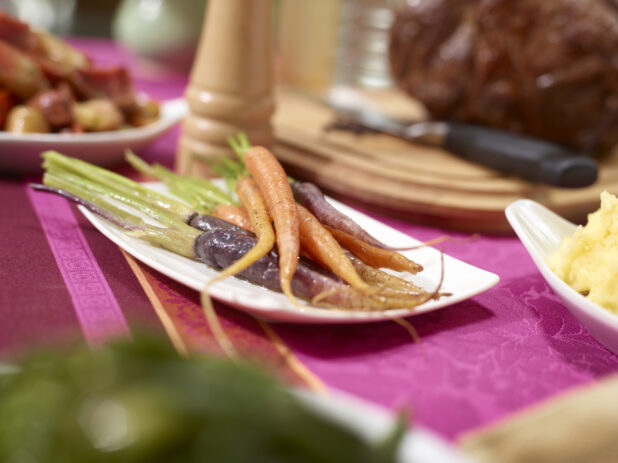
x=416, y=182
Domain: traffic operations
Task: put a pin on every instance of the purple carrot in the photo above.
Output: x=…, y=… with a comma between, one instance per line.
x=312, y=198
x=221, y=247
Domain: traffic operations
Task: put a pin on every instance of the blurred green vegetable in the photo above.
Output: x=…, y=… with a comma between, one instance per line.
x=138, y=401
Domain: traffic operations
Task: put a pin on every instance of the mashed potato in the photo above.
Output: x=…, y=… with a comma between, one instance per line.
x=588, y=261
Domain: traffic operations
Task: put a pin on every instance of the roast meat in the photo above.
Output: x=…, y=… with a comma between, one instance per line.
x=548, y=68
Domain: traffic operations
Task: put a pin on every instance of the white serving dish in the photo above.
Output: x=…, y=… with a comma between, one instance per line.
x=22, y=152
x=460, y=279
x=541, y=231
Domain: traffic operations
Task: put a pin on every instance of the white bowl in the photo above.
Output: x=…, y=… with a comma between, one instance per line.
x=541, y=231
x=22, y=152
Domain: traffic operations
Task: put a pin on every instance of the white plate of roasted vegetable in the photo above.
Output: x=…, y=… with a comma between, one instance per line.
x=22, y=152
x=54, y=96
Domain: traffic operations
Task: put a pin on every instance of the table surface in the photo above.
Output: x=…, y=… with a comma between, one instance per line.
x=478, y=361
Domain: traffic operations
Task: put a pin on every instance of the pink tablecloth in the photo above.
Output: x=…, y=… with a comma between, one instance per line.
x=478, y=361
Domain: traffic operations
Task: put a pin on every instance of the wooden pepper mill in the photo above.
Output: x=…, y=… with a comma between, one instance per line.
x=231, y=83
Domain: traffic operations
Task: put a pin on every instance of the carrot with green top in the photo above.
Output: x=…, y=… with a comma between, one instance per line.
x=273, y=183
x=321, y=246
x=374, y=256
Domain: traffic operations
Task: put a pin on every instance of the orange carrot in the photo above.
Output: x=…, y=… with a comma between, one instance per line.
x=321, y=246
x=233, y=214
x=273, y=183
x=255, y=208
x=374, y=256
x=252, y=200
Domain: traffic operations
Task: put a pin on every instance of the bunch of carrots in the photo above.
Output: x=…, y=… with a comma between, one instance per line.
x=320, y=254
x=296, y=218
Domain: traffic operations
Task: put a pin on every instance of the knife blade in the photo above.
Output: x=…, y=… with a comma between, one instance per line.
x=526, y=157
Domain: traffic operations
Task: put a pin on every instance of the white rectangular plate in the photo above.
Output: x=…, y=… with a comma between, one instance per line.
x=460, y=279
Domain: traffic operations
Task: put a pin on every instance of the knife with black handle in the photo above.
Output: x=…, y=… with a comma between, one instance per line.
x=526, y=157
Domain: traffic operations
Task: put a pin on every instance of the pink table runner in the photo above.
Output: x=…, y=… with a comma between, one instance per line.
x=479, y=360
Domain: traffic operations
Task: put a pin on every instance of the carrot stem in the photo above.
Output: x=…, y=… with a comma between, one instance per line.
x=106, y=191
x=199, y=188
x=179, y=240
x=122, y=184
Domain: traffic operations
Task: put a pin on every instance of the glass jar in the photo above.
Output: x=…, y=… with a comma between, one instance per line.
x=362, y=50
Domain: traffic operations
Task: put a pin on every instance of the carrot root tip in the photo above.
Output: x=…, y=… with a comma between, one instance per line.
x=215, y=326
